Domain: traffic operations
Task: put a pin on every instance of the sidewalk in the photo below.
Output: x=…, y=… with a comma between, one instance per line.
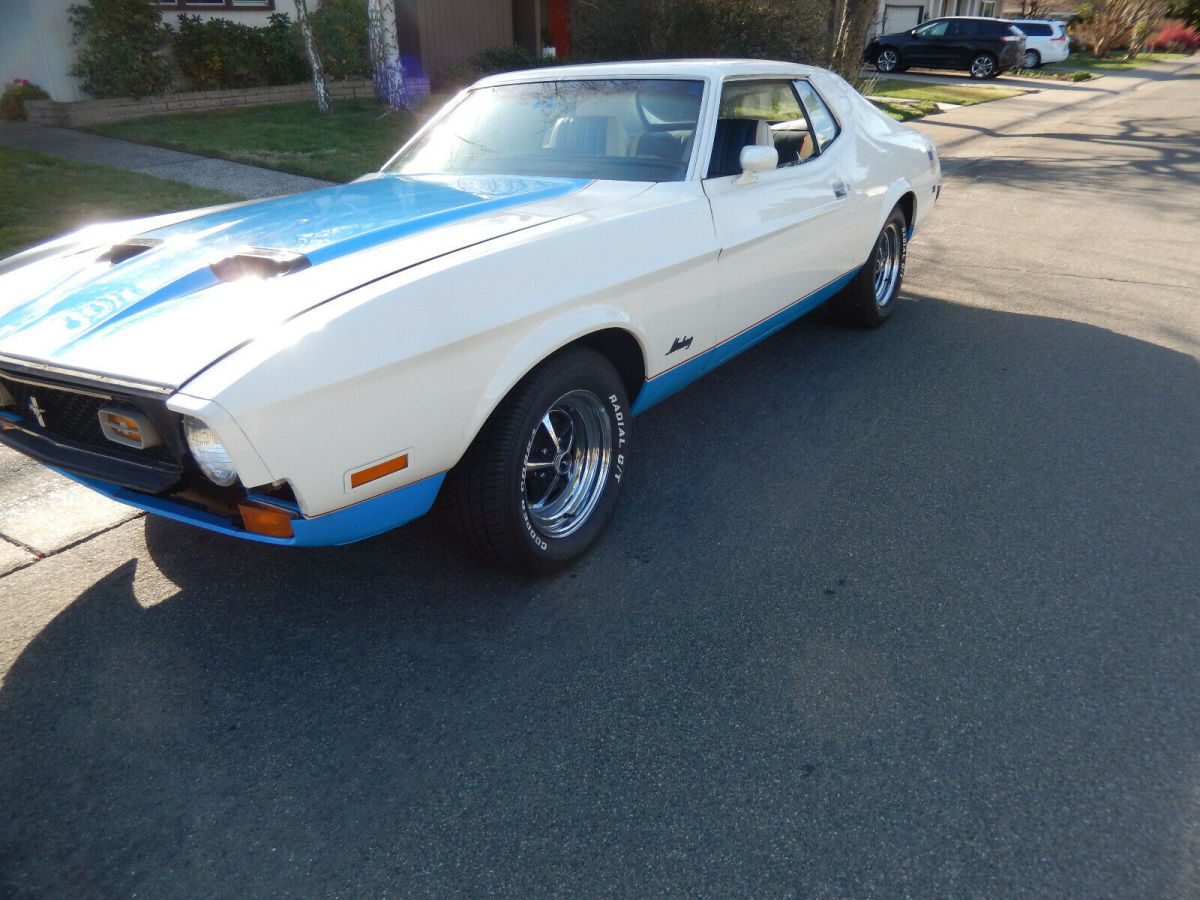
x=250, y=182
x=41, y=512
x=970, y=133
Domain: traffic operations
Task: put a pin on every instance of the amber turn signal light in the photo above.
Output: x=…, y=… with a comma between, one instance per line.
x=266, y=520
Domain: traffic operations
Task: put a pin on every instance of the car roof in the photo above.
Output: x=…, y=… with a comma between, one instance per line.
x=708, y=69
x=1039, y=21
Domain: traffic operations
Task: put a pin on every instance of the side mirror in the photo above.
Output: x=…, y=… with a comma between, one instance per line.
x=755, y=159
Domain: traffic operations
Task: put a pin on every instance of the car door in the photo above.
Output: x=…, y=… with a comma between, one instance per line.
x=927, y=47
x=962, y=38
x=786, y=235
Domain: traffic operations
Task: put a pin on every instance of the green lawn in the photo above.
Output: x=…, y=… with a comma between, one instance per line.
x=897, y=88
x=291, y=137
x=43, y=196
x=917, y=99
x=1083, y=62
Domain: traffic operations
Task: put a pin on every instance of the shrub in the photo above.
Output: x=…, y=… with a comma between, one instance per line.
x=1080, y=76
x=340, y=30
x=1176, y=39
x=283, y=59
x=635, y=29
x=507, y=59
x=12, y=103
x=120, y=48
x=490, y=61
x=217, y=53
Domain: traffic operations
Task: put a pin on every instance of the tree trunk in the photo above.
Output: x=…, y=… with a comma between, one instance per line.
x=853, y=21
x=387, y=71
x=320, y=85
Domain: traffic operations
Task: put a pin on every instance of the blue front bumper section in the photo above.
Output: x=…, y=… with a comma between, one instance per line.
x=342, y=526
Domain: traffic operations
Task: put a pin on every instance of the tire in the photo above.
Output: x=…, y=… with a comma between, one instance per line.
x=540, y=482
x=868, y=299
x=1032, y=60
x=888, y=60
x=984, y=65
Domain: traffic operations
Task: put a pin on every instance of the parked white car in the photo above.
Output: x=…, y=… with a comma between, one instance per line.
x=1046, y=41
x=554, y=253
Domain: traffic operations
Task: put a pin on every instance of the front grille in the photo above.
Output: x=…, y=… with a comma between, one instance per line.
x=62, y=413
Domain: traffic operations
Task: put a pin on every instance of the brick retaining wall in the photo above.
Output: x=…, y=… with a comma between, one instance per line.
x=88, y=112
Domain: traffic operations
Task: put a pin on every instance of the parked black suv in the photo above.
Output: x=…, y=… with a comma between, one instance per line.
x=984, y=47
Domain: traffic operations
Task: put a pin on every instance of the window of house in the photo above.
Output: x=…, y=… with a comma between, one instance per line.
x=216, y=4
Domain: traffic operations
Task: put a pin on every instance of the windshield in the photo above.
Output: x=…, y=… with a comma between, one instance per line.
x=623, y=130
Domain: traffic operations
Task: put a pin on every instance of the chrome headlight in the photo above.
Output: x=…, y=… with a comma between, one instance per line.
x=209, y=452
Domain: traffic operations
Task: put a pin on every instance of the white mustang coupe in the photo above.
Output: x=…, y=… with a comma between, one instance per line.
x=554, y=253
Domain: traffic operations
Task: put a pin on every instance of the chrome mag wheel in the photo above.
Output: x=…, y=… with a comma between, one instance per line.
x=889, y=262
x=567, y=463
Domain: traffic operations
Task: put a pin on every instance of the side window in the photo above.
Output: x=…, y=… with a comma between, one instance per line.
x=933, y=29
x=767, y=113
x=824, y=126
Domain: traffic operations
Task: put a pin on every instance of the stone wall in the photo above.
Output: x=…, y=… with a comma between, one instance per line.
x=89, y=112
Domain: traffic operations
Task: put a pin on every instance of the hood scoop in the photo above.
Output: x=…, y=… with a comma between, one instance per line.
x=118, y=253
x=259, y=262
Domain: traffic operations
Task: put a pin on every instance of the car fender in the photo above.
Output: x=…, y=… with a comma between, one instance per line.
x=544, y=341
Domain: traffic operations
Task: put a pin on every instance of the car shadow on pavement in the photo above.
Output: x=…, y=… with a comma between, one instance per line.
x=912, y=607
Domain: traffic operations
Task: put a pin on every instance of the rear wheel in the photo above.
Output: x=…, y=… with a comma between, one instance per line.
x=1032, y=59
x=539, y=483
x=984, y=66
x=868, y=299
x=888, y=60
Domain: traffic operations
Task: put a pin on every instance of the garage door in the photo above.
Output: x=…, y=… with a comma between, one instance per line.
x=901, y=18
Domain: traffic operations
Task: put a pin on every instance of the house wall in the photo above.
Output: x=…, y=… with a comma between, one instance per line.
x=256, y=17
x=35, y=44
x=893, y=15
x=454, y=30
x=36, y=35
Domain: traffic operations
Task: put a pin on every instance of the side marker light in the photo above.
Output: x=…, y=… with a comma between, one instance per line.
x=372, y=473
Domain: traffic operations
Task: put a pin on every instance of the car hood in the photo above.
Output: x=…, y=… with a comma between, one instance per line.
x=159, y=305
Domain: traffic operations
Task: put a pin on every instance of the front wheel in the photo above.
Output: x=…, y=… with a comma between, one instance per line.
x=868, y=299
x=984, y=66
x=540, y=482
x=887, y=60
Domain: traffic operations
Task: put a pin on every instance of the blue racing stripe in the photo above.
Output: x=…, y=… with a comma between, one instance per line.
x=667, y=383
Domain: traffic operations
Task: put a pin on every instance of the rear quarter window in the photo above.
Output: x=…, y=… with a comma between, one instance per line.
x=824, y=125
x=1034, y=29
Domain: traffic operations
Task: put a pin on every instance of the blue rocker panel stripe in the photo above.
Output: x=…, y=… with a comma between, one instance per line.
x=669, y=382
x=343, y=526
